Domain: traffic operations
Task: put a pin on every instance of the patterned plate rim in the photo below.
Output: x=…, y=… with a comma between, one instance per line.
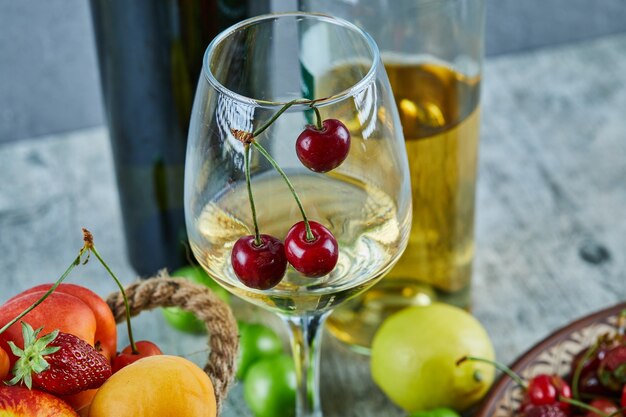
x=488, y=406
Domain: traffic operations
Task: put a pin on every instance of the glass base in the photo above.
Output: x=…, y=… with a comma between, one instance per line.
x=355, y=323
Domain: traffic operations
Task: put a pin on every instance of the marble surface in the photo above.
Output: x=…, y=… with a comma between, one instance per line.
x=551, y=229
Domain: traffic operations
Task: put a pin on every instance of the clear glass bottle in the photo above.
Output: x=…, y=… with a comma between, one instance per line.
x=433, y=53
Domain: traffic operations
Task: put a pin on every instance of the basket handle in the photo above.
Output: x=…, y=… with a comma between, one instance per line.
x=164, y=291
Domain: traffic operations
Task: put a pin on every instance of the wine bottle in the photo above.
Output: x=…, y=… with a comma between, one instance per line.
x=150, y=56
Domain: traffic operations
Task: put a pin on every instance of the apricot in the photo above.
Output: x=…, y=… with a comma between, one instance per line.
x=156, y=386
x=80, y=401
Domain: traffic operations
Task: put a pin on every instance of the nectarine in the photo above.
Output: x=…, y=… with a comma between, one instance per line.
x=106, y=328
x=23, y=402
x=59, y=311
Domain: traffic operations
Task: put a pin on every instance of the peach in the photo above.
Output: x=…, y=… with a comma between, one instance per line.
x=59, y=311
x=106, y=328
x=23, y=402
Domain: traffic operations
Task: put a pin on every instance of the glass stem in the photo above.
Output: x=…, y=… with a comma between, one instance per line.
x=306, y=333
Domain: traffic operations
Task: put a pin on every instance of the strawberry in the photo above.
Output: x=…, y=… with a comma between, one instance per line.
x=59, y=363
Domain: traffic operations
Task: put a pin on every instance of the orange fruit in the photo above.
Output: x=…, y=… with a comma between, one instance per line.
x=156, y=386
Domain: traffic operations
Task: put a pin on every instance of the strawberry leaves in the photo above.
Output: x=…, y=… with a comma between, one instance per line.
x=31, y=358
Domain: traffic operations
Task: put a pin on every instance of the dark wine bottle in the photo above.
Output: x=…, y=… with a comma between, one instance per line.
x=150, y=56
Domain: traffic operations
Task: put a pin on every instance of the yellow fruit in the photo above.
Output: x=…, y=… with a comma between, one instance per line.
x=414, y=356
x=156, y=386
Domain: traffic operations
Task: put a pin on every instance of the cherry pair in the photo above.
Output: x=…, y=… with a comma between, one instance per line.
x=262, y=265
x=547, y=390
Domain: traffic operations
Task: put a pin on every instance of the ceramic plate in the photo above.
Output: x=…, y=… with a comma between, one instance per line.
x=553, y=355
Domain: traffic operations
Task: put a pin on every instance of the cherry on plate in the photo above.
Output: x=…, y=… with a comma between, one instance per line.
x=259, y=266
x=544, y=411
x=605, y=405
x=312, y=258
x=322, y=150
x=546, y=389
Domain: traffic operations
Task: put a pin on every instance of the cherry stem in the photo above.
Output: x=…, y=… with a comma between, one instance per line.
x=318, y=117
x=133, y=346
x=309, y=234
x=583, y=405
x=277, y=115
x=579, y=369
x=496, y=365
x=246, y=155
x=50, y=291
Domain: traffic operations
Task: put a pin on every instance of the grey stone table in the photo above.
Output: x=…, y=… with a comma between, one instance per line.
x=551, y=223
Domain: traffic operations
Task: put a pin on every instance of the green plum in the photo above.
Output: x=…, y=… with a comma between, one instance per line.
x=270, y=387
x=436, y=412
x=256, y=342
x=187, y=321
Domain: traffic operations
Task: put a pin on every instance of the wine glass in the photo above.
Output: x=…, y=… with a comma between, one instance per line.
x=323, y=66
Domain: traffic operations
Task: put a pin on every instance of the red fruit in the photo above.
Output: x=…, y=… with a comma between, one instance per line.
x=544, y=411
x=591, y=364
x=106, y=329
x=126, y=356
x=24, y=402
x=322, y=150
x=59, y=363
x=623, y=402
x=546, y=389
x=5, y=364
x=589, y=383
x=80, y=401
x=312, y=258
x=262, y=266
x=605, y=405
x=59, y=311
x=612, y=369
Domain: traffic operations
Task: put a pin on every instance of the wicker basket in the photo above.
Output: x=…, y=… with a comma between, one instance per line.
x=165, y=291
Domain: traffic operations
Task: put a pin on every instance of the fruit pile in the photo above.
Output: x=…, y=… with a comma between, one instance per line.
x=58, y=357
x=594, y=387
x=260, y=260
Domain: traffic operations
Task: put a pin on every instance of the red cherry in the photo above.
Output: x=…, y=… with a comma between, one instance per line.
x=546, y=389
x=610, y=371
x=623, y=401
x=262, y=266
x=126, y=356
x=324, y=149
x=313, y=258
x=605, y=405
x=544, y=411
